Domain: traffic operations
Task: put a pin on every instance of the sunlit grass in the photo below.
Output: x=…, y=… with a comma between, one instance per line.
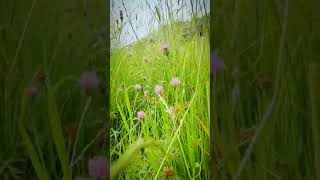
x=176, y=119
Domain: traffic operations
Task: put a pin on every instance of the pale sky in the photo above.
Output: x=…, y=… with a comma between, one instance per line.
x=143, y=20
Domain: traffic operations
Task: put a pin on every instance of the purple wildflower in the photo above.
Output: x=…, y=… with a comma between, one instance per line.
x=141, y=115
x=175, y=82
x=89, y=81
x=158, y=90
x=166, y=49
x=32, y=91
x=216, y=64
x=137, y=87
x=98, y=167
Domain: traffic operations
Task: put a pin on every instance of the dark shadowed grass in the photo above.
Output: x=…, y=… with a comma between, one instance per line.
x=264, y=116
x=44, y=48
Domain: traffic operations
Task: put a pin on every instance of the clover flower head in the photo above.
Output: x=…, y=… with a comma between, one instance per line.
x=216, y=64
x=158, y=90
x=141, y=115
x=89, y=81
x=166, y=49
x=32, y=91
x=175, y=82
x=98, y=167
x=137, y=87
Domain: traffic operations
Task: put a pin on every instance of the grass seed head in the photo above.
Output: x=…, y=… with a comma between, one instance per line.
x=168, y=171
x=246, y=134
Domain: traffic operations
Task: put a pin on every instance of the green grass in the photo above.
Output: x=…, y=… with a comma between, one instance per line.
x=60, y=40
x=180, y=142
x=272, y=51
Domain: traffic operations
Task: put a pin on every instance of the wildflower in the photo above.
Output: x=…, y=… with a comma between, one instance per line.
x=32, y=91
x=137, y=87
x=98, y=167
x=166, y=49
x=141, y=115
x=89, y=82
x=168, y=171
x=175, y=82
x=216, y=64
x=158, y=90
x=146, y=93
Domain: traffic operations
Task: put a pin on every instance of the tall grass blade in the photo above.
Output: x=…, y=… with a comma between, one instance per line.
x=57, y=134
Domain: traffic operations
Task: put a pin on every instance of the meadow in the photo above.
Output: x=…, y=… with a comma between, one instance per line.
x=52, y=93
x=159, y=104
x=265, y=90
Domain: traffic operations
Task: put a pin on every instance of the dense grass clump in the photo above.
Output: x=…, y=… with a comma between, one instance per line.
x=160, y=105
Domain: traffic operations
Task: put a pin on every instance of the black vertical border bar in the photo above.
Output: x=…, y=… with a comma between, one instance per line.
x=108, y=83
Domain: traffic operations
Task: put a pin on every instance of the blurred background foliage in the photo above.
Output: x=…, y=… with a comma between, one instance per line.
x=53, y=40
x=252, y=37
